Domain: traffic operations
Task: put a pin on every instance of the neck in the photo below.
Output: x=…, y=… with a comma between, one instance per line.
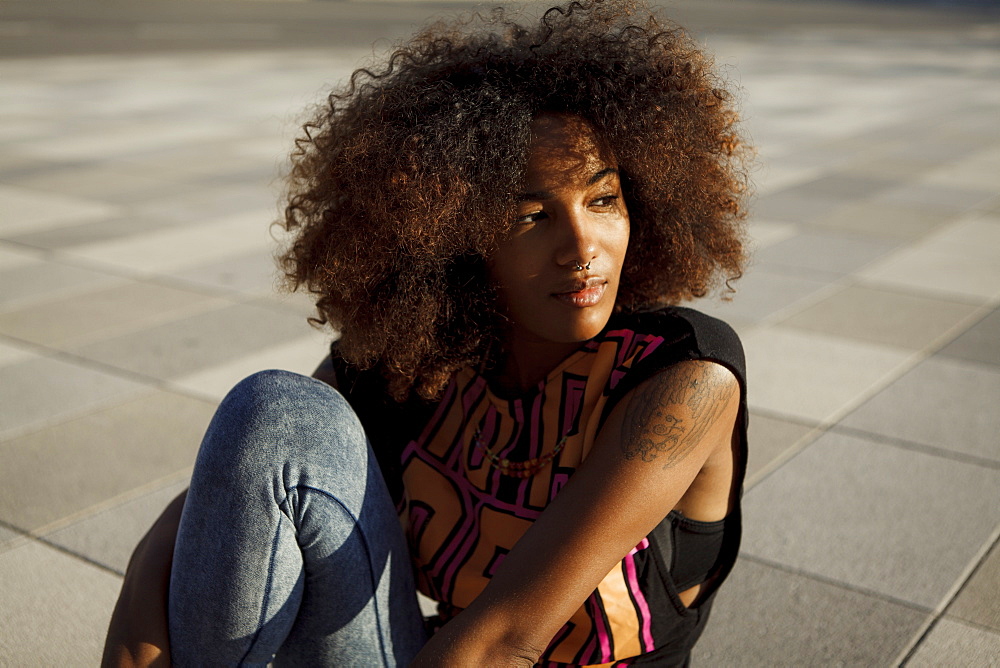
x=526, y=363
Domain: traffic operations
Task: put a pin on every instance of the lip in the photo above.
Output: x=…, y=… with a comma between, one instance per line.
x=583, y=293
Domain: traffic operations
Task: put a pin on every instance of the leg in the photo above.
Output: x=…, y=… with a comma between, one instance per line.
x=289, y=542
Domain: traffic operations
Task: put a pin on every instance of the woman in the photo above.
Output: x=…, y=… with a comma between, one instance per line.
x=497, y=222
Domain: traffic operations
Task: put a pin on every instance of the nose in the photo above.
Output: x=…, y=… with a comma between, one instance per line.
x=577, y=243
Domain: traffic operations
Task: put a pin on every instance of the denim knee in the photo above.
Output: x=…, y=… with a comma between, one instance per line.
x=284, y=422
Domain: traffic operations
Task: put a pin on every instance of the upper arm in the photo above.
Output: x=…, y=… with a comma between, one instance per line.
x=651, y=448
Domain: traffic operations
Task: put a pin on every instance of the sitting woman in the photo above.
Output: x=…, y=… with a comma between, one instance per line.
x=526, y=428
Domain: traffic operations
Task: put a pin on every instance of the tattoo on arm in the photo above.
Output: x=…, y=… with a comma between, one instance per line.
x=651, y=427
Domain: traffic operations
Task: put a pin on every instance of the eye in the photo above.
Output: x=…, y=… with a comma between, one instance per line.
x=605, y=202
x=533, y=217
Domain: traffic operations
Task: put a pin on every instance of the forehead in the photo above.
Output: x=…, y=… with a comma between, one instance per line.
x=565, y=149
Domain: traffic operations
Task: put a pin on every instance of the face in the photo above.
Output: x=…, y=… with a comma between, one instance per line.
x=558, y=271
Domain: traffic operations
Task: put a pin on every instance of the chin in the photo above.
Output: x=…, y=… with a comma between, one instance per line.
x=588, y=325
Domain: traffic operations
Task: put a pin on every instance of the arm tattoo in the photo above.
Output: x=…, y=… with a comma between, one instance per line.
x=651, y=428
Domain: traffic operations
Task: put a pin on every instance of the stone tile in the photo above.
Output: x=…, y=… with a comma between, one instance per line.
x=38, y=391
x=16, y=256
x=923, y=193
x=973, y=171
x=882, y=165
x=110, y=536
x=764, y=233
x=56, y=608
x=888, y=220
x=941, y=402
x=826, y=252
x=978, y=602
x=213, y=204
x=302, y=356
x=770, y=438
x=124, y=138
x=956, y=645
x=885, y=317
x=167, y=250
x=114, y=183
x=53, y=473
x=980, y=343
x=40, y=280
x=93, y=232
x=252, y=273
x=103, y=313
x=842, y=186
x=767, y=617
x=790, y=207
x=9, y=354
x=946, y=272
x=814, y=377
x=27, y=210
x=10, y=539
x=761, y=293
x=775, y=177
x=183, y=347
x=886, y=519
x=977, y=235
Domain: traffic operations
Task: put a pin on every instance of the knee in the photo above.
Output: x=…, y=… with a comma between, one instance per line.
x=279, y=416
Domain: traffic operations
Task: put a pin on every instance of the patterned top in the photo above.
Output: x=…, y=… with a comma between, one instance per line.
x=462, y=515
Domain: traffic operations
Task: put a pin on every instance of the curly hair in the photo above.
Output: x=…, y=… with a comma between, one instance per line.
x=404, y=182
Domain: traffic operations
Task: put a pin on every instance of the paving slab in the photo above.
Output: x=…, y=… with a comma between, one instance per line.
x=38, y=391
x=103, y=313
x=945, y=272
x=301, y=355
x=978, y=602
x=772, y=439
x=794, y=207
x=887, y=317
x=198, y=342
x=92, y=459
x=103, y=229
x=942, y=402
x=56, y=607
x=837, y=254
x=29, y=210
x=170, y=250
x=871, y=516
x=979, y=343
x=109, y=536
x=253, y=273
x=763, y=292
x=889, y=220
x=957, y=645
x=801, y=621
x=815, y=377
x=36, y=280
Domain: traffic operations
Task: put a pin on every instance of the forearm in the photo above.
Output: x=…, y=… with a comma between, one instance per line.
x=473, y=639
x=137, y=633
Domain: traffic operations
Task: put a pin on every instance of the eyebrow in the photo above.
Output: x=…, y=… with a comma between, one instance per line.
x=544, y=194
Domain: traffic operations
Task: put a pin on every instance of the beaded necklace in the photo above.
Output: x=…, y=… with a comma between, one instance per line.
x=524, y=469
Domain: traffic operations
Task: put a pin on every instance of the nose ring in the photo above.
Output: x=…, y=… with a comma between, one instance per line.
x=579, y=267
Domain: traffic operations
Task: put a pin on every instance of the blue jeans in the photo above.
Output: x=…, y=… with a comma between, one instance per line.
x=289, y=546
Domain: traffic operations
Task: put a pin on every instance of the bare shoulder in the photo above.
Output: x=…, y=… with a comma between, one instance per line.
x=687, y=406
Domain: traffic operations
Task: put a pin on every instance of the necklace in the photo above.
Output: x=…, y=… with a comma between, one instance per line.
x=524, y=469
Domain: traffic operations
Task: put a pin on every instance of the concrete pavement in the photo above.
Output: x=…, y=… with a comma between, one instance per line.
x=139, y=163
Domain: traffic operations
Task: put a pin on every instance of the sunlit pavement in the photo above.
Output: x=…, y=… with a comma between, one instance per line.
x=140, y=152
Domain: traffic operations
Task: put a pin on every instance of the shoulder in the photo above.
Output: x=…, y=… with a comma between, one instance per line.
x=689, y=331
x=674, y=338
